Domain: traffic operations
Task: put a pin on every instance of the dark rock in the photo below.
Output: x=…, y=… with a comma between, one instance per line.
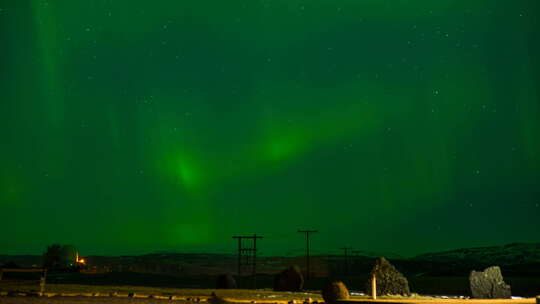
x=389, y=280
x=290, y=279
x=489, y=284
x=215, y=299
x=226, y=281
x=333, y=291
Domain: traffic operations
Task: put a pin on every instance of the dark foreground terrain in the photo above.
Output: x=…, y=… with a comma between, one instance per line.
x=524, y=286
x=81, y=300
x=425, y=285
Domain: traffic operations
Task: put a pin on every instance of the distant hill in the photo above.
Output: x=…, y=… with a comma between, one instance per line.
x=25, y=261
x=511, y=254
x=515, y=259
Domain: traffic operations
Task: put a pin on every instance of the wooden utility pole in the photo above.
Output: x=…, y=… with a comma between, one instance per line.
x=42, y=282
x=307, y=232
x=374, y=286
x=249, y=253
x=346, y=251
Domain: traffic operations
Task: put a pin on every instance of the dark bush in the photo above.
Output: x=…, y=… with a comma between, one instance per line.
x=52, y=257
x=226, y=281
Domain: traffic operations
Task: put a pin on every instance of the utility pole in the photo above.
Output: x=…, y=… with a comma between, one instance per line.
x=307, y=232
x=249, y=253
x=346, y=251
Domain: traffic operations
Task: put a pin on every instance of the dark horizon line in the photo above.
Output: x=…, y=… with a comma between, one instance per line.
x=233, y=254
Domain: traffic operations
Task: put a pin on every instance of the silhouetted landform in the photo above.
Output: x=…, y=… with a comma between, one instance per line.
x=513, y=259
x=25, y=261
x=489, y=284
x=389, y=280
x=10, y=265
x=433, y=273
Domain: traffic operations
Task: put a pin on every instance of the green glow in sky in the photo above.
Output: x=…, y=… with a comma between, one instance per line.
x=389, y=126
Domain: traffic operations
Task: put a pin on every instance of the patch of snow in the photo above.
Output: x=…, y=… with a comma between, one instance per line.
x=357, y=293
x=446, y=296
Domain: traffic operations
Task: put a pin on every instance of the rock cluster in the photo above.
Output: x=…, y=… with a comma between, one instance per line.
x=290, y=279
x=489, y=284
x=389, y=280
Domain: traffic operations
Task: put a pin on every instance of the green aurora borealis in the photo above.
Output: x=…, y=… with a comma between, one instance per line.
x=390, y=126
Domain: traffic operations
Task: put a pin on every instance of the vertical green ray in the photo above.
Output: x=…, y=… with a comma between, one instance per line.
x=528, y=105
x=47, y=26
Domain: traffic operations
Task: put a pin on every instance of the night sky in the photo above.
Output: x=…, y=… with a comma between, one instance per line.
x=391, y=126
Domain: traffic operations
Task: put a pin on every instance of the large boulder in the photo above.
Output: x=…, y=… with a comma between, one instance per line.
x=333, y=291
x=290, y=279
x=226, y=281
x=489, y=284
x=389, y=280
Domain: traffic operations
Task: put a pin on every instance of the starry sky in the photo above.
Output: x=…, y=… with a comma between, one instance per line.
x=395, y=126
